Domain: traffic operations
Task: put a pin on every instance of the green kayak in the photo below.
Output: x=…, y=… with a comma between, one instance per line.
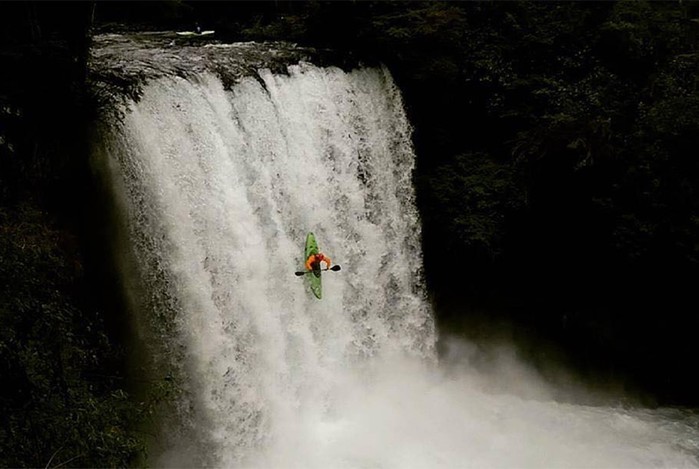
x=314, y=277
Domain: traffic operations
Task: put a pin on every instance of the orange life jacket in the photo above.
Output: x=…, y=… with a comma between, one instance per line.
x=316, y=259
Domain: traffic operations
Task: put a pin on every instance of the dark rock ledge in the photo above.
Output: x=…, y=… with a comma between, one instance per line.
x=120, y=64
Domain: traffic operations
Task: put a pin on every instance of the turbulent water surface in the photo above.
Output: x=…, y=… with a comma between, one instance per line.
x=217, y=189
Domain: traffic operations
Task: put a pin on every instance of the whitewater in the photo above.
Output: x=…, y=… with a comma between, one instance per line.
x=215, y=188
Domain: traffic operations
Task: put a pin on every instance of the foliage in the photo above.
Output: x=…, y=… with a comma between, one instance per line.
x=477, y=195
x=65, y=399
x=59, y=404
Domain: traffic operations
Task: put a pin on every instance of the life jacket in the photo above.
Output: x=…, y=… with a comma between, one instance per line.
x=315, y=260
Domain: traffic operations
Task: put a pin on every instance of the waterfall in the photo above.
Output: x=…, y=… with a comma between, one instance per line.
x=219, y=189
x=216, y=188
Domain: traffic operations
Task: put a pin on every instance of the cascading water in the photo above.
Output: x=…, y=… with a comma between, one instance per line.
x=218, y=188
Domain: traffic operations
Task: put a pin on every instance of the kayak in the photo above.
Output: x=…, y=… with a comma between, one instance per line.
x=314, y=277
x=194, y=33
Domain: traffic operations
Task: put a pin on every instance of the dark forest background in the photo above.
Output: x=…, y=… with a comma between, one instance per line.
x=555, y=180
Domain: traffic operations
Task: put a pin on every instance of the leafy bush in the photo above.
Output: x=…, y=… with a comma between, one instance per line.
x=62, y=400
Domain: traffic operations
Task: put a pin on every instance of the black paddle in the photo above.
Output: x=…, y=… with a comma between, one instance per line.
x=334, y=268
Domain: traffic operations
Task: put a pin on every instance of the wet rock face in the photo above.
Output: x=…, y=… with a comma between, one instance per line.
x=121, y=63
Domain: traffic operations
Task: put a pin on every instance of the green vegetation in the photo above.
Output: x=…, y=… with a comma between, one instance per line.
x=66, y=398
x=59, y=403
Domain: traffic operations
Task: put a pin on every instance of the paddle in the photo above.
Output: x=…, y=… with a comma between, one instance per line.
x=334, y=268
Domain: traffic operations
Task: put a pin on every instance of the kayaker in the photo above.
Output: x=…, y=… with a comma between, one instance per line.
x=314, y=260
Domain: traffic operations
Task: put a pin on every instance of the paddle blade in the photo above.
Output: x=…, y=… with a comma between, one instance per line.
x=335, y=268
x=298, y=274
